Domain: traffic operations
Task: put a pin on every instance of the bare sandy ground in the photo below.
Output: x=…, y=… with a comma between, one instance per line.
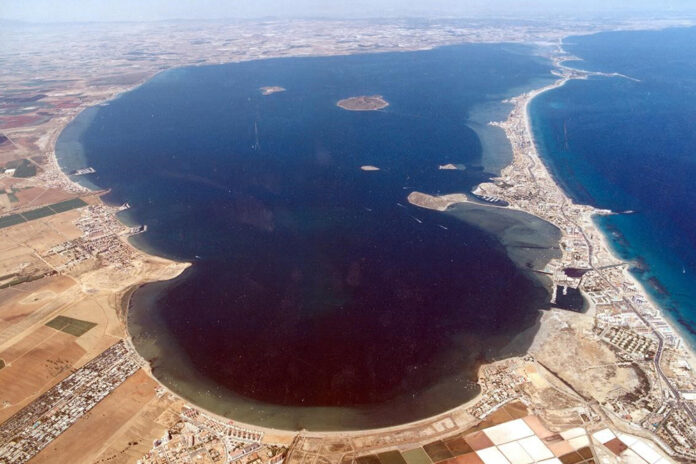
x=121, y=428
x=37, y=356
x=33, y=365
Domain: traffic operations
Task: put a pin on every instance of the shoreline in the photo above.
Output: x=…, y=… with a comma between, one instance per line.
x=363, y=103
x=77, y=188
x=124, y=296
x=443, y=202
x=675, y=325
x=604, y=239
x=124, y=303
x=125, y=299
x=584, y=214
x=527, y=184
x=108, y=271
x=424, y=418
x=291, y=434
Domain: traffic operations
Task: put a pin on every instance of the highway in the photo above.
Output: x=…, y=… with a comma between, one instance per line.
x=660, y=338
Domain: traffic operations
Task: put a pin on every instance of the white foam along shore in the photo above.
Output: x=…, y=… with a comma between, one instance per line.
x=526, y=171
x=527, y=185
x=546, y=199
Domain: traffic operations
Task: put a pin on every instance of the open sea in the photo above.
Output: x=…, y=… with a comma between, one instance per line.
x=630, y=145
x=318, y=297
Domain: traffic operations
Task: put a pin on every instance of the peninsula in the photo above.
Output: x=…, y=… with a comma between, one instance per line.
x=610, y=382
x=621, y=314
x=437, y=203
x=363, y=103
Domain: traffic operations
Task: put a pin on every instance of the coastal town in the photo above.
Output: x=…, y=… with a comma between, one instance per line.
x=612, y=384
x=35, y=426
x=197, y=437
x=623, y=316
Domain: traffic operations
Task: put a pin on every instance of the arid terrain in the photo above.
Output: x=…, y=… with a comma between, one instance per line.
x=363, y=103
x=72, y=389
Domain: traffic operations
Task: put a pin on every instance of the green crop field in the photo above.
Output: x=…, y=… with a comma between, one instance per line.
x=69, y=325
x=38, y=213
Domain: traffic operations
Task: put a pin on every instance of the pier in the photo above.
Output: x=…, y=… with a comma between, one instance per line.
x=83, y=171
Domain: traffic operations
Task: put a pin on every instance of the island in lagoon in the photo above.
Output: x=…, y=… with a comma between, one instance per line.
x=568, y=377
x=363, y=103
x=451, y=167
x=270, y=90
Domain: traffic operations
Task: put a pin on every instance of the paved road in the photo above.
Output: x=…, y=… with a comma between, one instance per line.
x=660, y=338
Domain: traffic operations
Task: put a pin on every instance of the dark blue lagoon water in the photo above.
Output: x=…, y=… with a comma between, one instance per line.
x=318, y=297
x=626, y=145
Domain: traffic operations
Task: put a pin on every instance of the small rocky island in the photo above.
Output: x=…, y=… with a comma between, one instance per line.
x=363, y=103
x=271, y=90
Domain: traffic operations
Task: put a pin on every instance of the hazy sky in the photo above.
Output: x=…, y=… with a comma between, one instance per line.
x=145, y=10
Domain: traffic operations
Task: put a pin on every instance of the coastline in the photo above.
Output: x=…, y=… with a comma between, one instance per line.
x=527, y=184
x=526, y=153
x=454, y=396
x=124, y=297
x=602, y=235
x=443, y=202
x=124, y=303
x=72, y=69
x=537, y=164
x=363, y=103
x=687, y=340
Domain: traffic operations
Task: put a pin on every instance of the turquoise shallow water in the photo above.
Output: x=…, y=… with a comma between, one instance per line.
x=626, y=145
x=318, y=297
